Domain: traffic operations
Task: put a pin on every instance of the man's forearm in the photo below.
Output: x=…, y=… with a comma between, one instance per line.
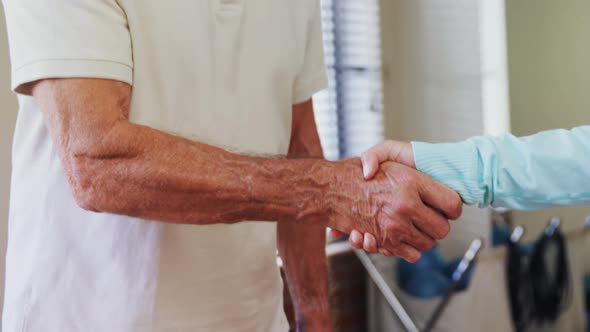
x=303, y=247
x=119, y=167
x=161, y=177
x=303, y=251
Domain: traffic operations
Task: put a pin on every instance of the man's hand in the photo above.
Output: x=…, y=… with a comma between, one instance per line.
x=389, y=151
x=398, y=206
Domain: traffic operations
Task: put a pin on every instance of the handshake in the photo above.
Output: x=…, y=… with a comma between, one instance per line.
x=396, y=210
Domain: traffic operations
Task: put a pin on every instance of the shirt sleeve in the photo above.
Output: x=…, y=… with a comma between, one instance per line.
x=65, y=39
x=544, y=170
x=312, y=77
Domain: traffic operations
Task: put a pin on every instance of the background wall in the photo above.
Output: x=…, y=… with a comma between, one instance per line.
x=440, y=83
x=549, y=72
x=8, y=110
x=444, y=68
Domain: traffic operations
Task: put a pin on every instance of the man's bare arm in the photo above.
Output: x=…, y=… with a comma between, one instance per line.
x=120, y=167
x=303, y=247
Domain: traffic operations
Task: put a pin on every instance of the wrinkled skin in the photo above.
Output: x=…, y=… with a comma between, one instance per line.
x=374, y=159
x=396, y=207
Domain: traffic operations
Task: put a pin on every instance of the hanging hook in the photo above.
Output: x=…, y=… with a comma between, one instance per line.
x=553, y=226
x=517, y=234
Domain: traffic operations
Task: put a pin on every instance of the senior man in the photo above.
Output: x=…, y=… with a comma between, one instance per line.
x=128, y=209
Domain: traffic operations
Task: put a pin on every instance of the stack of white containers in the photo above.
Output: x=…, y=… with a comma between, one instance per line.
x=325, y=102
x=358, y=70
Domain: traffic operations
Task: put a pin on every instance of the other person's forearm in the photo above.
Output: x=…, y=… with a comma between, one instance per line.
x=547, y=169
x=543, y=170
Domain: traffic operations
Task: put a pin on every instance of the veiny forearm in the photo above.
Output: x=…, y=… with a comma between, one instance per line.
x=303, y=247
x=146, y=173
x=119, y=167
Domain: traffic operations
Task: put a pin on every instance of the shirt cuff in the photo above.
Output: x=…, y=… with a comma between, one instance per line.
x=455, y=165
x=69, y=68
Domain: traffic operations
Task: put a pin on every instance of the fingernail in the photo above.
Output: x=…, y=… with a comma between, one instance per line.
x=356, y=237
x=365, y=171
x=367, y=242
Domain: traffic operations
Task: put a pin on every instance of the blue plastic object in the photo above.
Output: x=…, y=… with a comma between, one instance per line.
x=430, y=260
x=431, y=276
x=427, y=284
x=500, y=235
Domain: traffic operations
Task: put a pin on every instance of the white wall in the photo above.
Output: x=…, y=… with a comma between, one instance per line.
x=549, y=72
x=437, y=85
x=8, y=109
x=441, y=84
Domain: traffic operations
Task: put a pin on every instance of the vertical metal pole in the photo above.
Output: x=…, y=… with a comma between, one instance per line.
x=377, y=278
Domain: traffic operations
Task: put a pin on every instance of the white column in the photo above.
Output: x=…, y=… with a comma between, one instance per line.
x=494, y=67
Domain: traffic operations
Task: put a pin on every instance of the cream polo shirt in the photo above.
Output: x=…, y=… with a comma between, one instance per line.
x=224, y=72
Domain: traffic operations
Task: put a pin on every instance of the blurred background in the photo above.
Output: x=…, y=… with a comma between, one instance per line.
x=441, y=71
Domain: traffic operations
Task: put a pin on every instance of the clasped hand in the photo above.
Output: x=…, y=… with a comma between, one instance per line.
x=396, y=210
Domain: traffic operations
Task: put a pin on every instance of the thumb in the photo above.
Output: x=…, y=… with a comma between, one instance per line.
x=370, y=163
x=386, y=151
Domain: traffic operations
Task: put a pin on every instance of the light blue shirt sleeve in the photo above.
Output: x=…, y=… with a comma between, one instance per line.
x=551, y=168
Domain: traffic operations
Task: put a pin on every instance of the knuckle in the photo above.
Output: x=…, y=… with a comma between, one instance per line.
x=394, y=227
x=366, y=155
x=457, y=208
x=406, y=207
x=454, y=206
x=443, y=230
x=422, y=244
x=429, y=244
x=411, y=179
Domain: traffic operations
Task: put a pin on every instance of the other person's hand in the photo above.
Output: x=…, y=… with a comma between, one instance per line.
x=396, y=151
x=398, y=207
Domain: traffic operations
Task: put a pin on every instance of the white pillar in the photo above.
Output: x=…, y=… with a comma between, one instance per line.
x=445, y=79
